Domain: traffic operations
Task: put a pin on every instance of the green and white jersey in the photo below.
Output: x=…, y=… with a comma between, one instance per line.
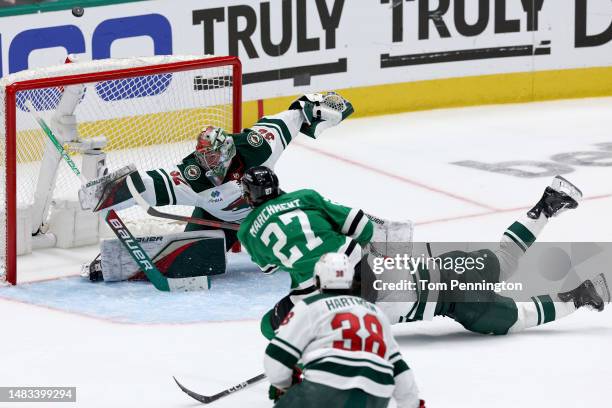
x=187, y=184
x=342, y=342
x=294, y=230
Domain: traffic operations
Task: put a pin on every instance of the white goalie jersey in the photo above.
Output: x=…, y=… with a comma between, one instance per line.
x=343, y=342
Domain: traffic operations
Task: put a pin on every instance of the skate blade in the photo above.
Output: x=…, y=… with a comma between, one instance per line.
x=561, y=185
x=601, y=286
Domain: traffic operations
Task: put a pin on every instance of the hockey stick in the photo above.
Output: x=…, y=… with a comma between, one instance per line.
x=152, y=211
x=138, y=254
x=55, y=142
x=204, y=399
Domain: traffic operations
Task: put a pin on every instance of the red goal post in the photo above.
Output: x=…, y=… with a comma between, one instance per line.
x=199, y=95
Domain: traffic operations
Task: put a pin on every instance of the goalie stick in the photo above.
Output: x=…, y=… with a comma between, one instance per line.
x=138, y=254
x=55, y=142
x=204, y=399
x=159, y=281
x=152, y=211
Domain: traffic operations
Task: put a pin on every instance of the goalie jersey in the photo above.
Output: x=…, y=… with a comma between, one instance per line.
x=293, y=230
x=342, y=342
x=187, y=184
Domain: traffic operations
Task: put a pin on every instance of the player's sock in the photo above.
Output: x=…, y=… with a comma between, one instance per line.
x=515, y=241
x=524, y=231
x=518, y=237
x=540, y=310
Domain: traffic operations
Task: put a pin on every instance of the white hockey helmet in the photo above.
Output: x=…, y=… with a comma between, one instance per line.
x=334, y=271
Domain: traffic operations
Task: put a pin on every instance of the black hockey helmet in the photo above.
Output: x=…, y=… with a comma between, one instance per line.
x=259, y=184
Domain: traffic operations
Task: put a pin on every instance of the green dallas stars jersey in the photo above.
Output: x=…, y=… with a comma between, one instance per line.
x=294, y=230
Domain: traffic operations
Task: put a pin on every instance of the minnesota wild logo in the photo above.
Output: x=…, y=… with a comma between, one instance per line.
x=192, y=172
x=254, y=139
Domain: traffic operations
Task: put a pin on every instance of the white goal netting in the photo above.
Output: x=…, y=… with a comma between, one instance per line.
x=150, y=120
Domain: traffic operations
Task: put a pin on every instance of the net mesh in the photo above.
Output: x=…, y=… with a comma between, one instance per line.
x=151, y=121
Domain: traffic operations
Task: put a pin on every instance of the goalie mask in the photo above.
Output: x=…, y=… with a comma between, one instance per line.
x=214, y=151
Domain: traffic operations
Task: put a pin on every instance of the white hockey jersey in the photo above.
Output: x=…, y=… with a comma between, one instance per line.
x=186, y=183
x=342, y=342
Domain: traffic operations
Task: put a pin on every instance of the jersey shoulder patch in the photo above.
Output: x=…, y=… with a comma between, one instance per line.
x=252, y=147
x=194, y=174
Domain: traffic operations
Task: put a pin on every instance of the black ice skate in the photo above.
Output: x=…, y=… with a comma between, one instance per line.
x=561, y=195
x=93, y=271
x=592, y=293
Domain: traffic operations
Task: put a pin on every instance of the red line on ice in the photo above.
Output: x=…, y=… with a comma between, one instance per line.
x=395, y=176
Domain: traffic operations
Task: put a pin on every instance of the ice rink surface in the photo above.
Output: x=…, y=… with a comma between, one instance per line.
x=120, y=344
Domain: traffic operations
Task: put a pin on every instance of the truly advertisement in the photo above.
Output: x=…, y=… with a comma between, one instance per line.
x=293, y=46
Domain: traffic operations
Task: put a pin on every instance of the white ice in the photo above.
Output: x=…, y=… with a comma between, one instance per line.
x=394, y=166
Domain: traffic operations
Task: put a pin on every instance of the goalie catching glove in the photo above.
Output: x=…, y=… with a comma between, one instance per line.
x=321, y=111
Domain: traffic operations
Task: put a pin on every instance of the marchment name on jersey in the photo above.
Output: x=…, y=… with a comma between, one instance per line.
x=268, y=211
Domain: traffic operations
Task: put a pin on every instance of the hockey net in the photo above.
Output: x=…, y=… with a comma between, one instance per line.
x=148, y=110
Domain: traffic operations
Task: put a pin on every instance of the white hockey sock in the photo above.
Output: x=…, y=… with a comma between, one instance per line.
x=524, y=231
x=515, y=241
x=540, y=310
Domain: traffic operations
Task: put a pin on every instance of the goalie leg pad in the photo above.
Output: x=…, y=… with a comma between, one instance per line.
x=182, y=255
x=390, y=238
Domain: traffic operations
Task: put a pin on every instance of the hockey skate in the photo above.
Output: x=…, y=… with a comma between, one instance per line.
x=592, y=293
x=561, y=195
x=93, y=270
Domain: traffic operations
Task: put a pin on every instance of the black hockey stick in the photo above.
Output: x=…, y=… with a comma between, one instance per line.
x=152, y=211
x=204, y=399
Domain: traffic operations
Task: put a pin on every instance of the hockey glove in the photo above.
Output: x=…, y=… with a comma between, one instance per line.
x=109, y=190
x=321, y=111
x=275, y=393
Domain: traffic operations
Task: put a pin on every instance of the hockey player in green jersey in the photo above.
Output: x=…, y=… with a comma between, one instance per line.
x=208, y=179
x=291, y=231
x=345, y=346
x=484, y=311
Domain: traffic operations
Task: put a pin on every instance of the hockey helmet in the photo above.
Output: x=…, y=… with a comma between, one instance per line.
x=215, y=150
x=333, y=271
x=259, y=184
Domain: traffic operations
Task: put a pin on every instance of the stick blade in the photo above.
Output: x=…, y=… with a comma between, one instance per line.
x=201, y=398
